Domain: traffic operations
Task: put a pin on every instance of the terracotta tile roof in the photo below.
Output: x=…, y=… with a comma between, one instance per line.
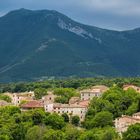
x=58, y=105
x=84, y=103
x=32, y=104
x=129, y=117
x=95, y=89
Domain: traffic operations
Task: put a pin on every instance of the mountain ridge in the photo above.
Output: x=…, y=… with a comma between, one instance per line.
x=56, y=46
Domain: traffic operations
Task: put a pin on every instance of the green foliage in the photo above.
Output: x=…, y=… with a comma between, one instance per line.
x=39, y=92
x=21, y=87
x=75, y=120
x=38, y=116
x=62, y=99
x=132, y=109
x=36, y=133
x=37, y=124
x=4, y=137
x=55, y=121
x=5, y=98
x=66, y=117
x=107, y=133
x=54, y=135
x=132, y=133
x=101, y=119
x=64, y=94
x=72, y=133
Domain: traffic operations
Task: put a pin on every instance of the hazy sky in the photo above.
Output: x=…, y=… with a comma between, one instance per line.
x=110, y=14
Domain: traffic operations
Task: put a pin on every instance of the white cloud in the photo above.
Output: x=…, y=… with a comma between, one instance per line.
x=120, y=7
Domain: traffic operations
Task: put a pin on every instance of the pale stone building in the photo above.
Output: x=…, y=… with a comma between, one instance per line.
x=30, y=105
x=136, y=88
x=95, y=91
x=17, y=98
x=75, y=107
x=70, y=109
x=74, y=100
x=136, y=115
x=122, y=123
x=50, y=98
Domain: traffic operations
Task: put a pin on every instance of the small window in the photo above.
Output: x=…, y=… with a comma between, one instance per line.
x=50, y=98
x=81, y=112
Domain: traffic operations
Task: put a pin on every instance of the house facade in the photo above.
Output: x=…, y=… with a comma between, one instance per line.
x=136, y=88
x=50, y=98
x=122, y=123
x=95, y=91
x=30, y=105
x=17, y=98
x=70, y=109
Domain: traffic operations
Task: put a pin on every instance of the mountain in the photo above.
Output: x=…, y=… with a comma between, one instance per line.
x=42, y=44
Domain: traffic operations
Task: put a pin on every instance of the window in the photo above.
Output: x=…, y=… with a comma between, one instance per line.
x=50, y=98
x=81, y=112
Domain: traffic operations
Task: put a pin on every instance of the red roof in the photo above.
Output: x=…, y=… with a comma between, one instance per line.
x=33, y=104
x=84, y=103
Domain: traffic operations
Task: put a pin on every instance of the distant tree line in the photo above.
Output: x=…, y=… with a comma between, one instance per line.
x=79, y=83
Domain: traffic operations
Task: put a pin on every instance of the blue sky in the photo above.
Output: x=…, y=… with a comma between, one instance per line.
x=109, y=14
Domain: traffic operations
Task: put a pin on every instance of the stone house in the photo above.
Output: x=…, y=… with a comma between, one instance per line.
x=95, y=91
x=30, y=105
x=74, y=100
x=75, y=107
x=122, y=123
x=70, y=109
x=136, y=88
x=50, y=98
x=17, y=98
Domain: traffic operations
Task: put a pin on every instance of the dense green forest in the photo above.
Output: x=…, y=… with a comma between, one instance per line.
x=77, y=83
x=98, y=124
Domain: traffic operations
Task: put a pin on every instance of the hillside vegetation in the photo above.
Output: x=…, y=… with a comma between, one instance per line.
x=37, y=45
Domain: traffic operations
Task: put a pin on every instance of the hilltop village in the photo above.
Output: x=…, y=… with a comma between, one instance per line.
x=77, y=106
